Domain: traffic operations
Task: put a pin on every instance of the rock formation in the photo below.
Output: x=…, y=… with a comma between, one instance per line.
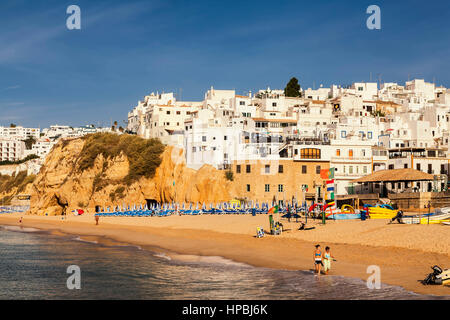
x=61, y=187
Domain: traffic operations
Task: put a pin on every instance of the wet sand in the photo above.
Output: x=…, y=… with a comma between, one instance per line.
x=404, y=253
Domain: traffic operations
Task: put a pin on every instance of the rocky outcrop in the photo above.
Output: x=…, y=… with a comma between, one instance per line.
x=60, y=186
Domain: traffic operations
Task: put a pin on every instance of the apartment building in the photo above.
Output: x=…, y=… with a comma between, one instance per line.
x=11, y=149
x=19, y=132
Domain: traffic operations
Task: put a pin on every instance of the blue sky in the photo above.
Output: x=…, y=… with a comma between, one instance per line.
x=127, y=49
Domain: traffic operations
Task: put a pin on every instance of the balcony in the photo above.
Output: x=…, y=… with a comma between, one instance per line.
x=351, y=159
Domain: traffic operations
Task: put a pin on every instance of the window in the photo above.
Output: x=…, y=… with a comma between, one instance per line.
x=204, y=138
x=238, y=168
x=338, y=152
x=178, y=112
x=405, y=166
x=280, y=168
x=350, y=169
x=248, y=188
x=391, y=167
x=267, y=188
x=310, y=153
x=304, y=170
x=167, y=112
x=274, y=104
x=418, y=166
x=430, y=168
x=267, y=168
x=280, y=188
x=225, y=138
x=317, y=169
x=365, y=169
x=248, y=168
x=343, y=134
x=242, y=103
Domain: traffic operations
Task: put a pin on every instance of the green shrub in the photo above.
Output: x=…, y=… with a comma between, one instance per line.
x=144, y=155
x=229, y=175
x=8, y=183
x=117, y=194
x=27, y=158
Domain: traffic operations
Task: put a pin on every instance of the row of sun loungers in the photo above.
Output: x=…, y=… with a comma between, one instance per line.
x=168, y=212
x=13, y=209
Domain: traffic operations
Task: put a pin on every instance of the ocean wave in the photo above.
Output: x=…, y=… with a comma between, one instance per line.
x=163, y=256
x=84, y=240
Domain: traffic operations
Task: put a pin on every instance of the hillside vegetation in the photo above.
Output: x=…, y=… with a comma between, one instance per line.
x=12, y=185
x=144, y=155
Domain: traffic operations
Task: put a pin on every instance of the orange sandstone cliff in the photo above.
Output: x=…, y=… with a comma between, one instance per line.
x=60, y=186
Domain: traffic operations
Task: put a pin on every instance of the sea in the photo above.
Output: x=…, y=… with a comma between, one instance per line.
x=35, y=264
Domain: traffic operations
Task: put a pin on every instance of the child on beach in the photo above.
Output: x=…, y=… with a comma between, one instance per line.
x=327, y=260
x=317, y=260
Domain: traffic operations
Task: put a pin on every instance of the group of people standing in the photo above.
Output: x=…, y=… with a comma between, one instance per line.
x=322, y=260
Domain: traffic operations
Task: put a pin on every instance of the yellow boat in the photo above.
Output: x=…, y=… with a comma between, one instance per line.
x=425, y=221
x=381, y=212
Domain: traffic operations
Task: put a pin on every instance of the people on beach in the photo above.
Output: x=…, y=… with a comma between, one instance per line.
x=327, y=260
x=96, y=220
x=317, y=259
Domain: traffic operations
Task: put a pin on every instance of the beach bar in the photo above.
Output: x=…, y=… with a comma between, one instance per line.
x=396, y=181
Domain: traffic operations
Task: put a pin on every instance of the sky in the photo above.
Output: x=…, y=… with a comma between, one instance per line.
x=128, y=49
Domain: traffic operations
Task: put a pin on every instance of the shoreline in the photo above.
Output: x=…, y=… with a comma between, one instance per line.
x=194, y=236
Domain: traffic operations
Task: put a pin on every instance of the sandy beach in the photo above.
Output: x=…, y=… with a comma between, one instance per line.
x=404, y=253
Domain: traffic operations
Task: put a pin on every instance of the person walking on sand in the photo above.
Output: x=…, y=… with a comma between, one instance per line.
x=317, y=260
x=96, y=220
x=327, y=260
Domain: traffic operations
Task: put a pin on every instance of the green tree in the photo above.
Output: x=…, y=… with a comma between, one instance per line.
x=29, y=141
x=292, y=88
x=12, y=125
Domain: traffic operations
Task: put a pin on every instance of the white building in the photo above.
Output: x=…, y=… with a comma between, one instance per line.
x=19, y=133
x=11, y=149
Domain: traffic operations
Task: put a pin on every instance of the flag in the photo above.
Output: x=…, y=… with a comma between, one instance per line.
x=330, y=189
x=273, y=209
x=327, y=173
x=330, y=203
x=330, y=181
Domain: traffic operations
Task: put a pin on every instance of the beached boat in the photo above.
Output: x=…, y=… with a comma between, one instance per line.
x=436, y=217
x=382, y=211
x=344, y=216
x=346, y=212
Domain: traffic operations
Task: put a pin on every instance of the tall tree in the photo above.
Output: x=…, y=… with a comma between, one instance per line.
x=292, y=88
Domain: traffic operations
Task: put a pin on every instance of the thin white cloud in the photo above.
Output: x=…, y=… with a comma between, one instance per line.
x=12, y=87
x=20, y=42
